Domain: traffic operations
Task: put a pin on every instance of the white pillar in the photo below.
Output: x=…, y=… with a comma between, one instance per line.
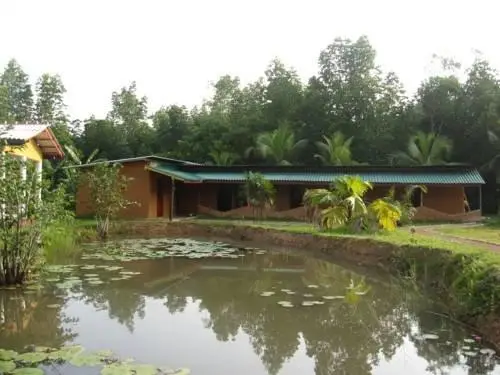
x=24, y=160
x=39, y=170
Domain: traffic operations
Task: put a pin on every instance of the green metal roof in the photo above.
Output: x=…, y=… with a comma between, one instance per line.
x=457, y=175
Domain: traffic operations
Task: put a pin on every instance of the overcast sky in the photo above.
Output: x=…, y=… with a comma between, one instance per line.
x=174, y=48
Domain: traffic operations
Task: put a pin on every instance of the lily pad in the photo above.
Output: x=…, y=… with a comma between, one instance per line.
x=95, y=282
x=312, y=286
x=7, y=366
x=308, y=295
x=117, y=369
x=430, y=336
x=32, y=357
x=487, y=351
x=308, y=303
x=144, y=369
x=104, y=353
x=285, y=304
x=469, y=354
x=285, y=290
x=333, y=297
x=7, y=355
x=27, y=371
x=86, y=360
x=267, y=294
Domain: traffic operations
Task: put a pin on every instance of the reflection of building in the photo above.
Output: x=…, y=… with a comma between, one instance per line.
x=167, y=187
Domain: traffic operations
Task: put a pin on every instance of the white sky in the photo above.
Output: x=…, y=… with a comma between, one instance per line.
x=174, y=48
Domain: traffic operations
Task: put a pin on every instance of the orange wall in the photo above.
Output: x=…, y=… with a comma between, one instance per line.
x=447, y=199
x=141, y=189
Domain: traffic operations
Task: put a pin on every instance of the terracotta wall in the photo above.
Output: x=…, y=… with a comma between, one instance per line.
x=447, y=199
x=141, y=189
x=208, y=195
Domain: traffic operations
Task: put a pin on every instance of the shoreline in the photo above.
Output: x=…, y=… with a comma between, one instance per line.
x=443, y=272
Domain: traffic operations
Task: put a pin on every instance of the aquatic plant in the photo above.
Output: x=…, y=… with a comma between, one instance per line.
x=23, y=217
x=27, y=363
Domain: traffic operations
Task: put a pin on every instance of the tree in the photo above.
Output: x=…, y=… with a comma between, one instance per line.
x=343, y=204
x=107, y=186
x=50, y=108
x=278, y=146
x=171, y=125
x=4, y=105
x=259, y=193
x=23, y=218
x=335, y=150
x=20, y=95
x=129, y=114
x=223, y=157
x=424, y=149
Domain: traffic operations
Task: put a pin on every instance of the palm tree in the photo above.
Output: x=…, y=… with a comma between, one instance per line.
x=342, y=203
x=335, y=150
x=222, y=158
x=424, y=149
x=278, y=146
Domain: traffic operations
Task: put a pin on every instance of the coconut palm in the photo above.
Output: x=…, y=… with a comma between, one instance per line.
x=335, y=150
x=424, y=149
x=278, y=146
x=222, y=158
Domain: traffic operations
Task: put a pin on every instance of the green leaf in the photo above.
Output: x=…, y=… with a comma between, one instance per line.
x=86, y=360
x=7, y=355
x=7, y=366
x=32, y=357
x=117, y=369
x=145, y=369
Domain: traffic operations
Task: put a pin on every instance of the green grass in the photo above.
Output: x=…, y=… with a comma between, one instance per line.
x=480, y=232
x=400, y=237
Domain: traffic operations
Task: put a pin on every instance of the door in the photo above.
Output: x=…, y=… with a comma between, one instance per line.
x=159, y=197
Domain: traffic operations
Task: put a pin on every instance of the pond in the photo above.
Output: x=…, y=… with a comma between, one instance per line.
x=164, y=306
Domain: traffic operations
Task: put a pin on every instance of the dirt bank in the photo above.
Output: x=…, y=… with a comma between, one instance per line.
x=441, y=271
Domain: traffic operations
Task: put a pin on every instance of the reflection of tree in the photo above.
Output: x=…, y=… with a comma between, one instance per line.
x=25, y=318
x=342, y=338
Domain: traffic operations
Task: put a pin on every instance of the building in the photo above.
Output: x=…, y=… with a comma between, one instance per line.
x=165, y=187
x=30, y=142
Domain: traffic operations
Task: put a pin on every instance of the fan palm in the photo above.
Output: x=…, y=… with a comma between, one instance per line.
x=278, y=146
x=424, y=149
x=335, y=150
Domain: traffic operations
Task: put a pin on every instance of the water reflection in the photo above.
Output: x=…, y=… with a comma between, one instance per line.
x=208, y=315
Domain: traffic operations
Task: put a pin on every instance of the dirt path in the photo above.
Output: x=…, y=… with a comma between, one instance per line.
x=433, y=231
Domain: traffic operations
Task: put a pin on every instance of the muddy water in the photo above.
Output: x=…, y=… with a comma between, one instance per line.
x=251, y=312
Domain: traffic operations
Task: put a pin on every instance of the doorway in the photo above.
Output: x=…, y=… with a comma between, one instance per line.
x=225, y=198
x=159, y=197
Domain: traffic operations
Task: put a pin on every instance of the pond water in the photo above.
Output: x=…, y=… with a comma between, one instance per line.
x=218, y=310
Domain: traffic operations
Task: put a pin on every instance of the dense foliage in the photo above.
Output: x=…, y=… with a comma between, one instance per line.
x=23, y=219
x=350, y=111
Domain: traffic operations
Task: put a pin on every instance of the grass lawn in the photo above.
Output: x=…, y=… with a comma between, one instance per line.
x=479, y=232
x=402, y=236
